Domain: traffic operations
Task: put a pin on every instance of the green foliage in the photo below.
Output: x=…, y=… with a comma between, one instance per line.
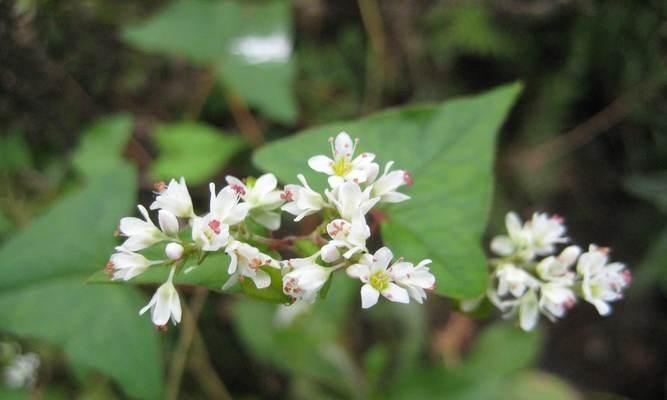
x=212, y=273
x=273, y=293
x=101, y=146
x=309, y=347
x=193, y=150
x=14, y=153
x=209, y=32
x=497, y=365
x=43, y=295
x=468, y=29
x=652, y=188
x=446, y=216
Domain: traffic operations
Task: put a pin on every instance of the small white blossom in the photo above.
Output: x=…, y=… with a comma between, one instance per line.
x=174, y=251
x=514, y=281
x=286, y=314
x=165, y=304
x=351, y=236
x=143, y=233
x=246, y=261
x=225, y=206
x=303, y=278
x=546, y=231
x=536, y=237
x=262, y=198
x=175, y=198
x=416, y=279
x=343, y=167
x=372, y=271
x=385, y=187
x=558, y=269
x=125, y=265
x=528, y=311
x=22, y=371
x=602, y=283
x=350, y=200
x=209, y=233
x=555, y=300
x=301, y=200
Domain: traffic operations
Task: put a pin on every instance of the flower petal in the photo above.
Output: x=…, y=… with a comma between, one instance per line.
x=322, y=164
x=369, y=296
x=396, y=294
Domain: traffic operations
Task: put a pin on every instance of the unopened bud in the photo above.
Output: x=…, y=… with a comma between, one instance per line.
x=174, y=251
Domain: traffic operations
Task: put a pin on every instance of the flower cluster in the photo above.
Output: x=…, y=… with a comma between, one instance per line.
x=530, y=279
x=19, y=369
x=355, y=186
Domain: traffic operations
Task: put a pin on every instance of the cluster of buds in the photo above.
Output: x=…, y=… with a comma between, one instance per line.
x=529, y=279
x=355, y=187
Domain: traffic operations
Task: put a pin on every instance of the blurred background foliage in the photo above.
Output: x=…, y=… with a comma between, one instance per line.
x=99, y=99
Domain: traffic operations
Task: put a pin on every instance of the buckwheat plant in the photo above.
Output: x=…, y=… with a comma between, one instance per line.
x=355, y=187
x=529, y=278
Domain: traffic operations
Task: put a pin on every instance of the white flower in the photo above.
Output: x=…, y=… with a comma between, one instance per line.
x=514, y=281
x=557, y=269
x=175, y=198
x=286, y=314
x=546, y=231
x=416, y=279
x=22, y=371
x=602, y=283
x=126, y=265
x=351, y=236
x=209, y=233
x=343, y=167
x=385, y=187
x=301, y=200
x=143, y=233
x=174, y=251
x=262, y=198
x=350, y=200
x=225, y=206
x=372, y=271
x=165, y=304
x=304, y=278
x=528, y=311
x=246, y=261
x=536, y=237
x=555, y=300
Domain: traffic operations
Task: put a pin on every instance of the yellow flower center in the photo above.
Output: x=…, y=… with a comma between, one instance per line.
x=342, y=166
x=379, y=280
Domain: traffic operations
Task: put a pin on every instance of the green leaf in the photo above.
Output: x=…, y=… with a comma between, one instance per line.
x=14, y=153
x=502, y=349
x=449, y=149
x=211, y=33
x=499, y=354
x=308, y=347
x=652, y=188
x=101, y=146
x=193, y=150
x=539, y=385
x=274, y=293
x=212, y=274
x=42, y=294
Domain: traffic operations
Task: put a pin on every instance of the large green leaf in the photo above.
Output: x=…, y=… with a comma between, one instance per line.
x=193, y=150
x=102, y=145
x=499, y=354
x=43, y=294
x=249, y=45
x=308, y=348
x=449, y=148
